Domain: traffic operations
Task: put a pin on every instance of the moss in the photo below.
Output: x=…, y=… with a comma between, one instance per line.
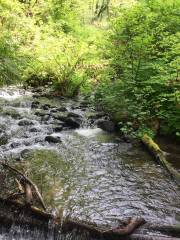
x=159, y=154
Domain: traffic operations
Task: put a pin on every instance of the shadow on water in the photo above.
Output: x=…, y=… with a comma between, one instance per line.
x=90, y=174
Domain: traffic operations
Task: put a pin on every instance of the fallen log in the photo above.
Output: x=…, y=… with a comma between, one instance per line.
x=24, y=215
x=28, y=215
x=98, y=231
x=160, y=156
x=70, y=224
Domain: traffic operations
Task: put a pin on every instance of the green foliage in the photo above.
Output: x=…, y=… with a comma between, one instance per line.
x=144, y=51
x=47, y=42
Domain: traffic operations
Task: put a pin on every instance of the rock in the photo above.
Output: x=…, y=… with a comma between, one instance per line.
x=54, y=110
x=74, y=115
x=2, y=127
x=106, y=125
x=16, y=156
x=39, y=139
x=25, y=153
x=12, y=112
x=45, y=117
x=57, y=123
x=58, y=128
x=35, y=104
x=25, y=122
x=72, y=122
x=84, y=104
x=53, y=139
x=100, y=114
x=61, y=109
x=37, y=90
x=36, y=95
x=46, y=106
x=34, y=130
x=3, y=138
x=41, y=113
x=61, y=117
x=75, y=107
x=15, y=145
x=95, y=115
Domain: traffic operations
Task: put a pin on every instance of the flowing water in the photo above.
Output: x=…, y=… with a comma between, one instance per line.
x=88, y=173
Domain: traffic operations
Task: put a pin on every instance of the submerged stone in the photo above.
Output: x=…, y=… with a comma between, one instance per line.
x=35, y=104
x=57, y=128
x=45, y=117
x=3, y=138
x=61, y=109
x=35, y=129
x=41, y=113
x=25, y=153
x=12, y=113
x=53, y=139
x=25, y=122
x=46, y=106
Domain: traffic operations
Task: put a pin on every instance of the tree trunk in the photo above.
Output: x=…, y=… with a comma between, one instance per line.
x=160, y=156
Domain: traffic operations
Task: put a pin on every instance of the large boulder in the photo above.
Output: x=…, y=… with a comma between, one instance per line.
x=73, y=122
x=106, y=125
x=59, y=116
x=70, y=120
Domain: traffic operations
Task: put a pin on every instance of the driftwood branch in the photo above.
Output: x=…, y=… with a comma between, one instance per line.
x=130, y=227
x=160, y=156
x=29, y=182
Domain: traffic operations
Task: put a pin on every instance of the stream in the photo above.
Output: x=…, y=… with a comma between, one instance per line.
x=81, y=170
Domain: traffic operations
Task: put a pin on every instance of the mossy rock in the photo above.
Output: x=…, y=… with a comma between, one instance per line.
x=12, y=113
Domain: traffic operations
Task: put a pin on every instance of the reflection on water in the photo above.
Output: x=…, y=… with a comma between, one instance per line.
x=90, y=174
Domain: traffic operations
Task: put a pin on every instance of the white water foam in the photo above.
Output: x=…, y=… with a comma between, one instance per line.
x=88, y=132
x=12, y=93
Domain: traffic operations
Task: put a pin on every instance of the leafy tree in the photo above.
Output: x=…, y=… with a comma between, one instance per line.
x=144, y=52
